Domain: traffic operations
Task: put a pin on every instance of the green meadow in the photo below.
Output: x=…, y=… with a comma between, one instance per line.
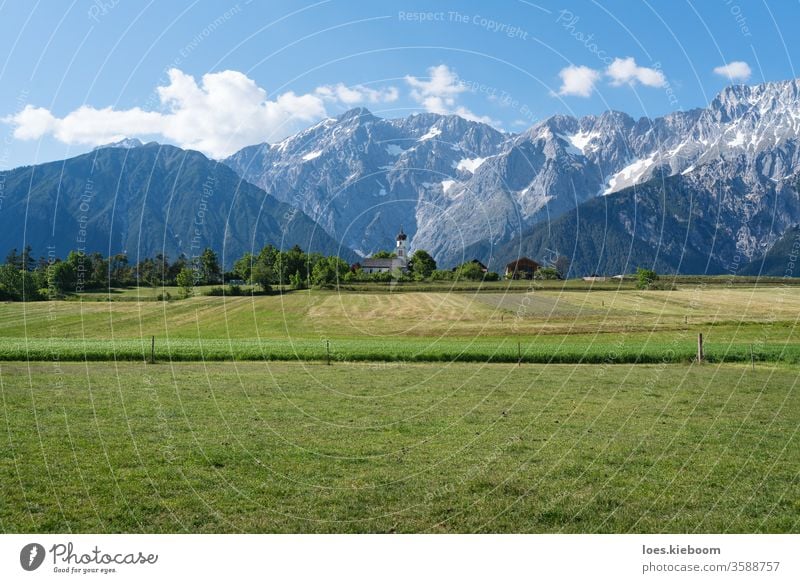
x=292, y=447
x=508, y=410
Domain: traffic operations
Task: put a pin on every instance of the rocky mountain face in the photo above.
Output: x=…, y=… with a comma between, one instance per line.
x=362, y=177
x=673, y=224
x=782, y=258
x=709, y=198
x=460, y=188
x=148, y=199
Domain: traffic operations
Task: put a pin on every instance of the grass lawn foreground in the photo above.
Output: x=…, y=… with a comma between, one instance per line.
x=392, y=447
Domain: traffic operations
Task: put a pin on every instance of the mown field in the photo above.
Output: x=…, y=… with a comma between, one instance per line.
x=739, y=324
x=291, y=447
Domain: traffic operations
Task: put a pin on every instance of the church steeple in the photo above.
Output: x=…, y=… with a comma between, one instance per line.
x=401, y=245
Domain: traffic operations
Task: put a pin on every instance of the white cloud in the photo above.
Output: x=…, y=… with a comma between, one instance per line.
x=626, y=71
x=578, y=80
x=735, y=71
x=226, y=112
x=439, y=94
x=357, y=94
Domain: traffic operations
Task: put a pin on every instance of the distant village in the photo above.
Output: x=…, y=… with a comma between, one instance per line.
x=399, y=262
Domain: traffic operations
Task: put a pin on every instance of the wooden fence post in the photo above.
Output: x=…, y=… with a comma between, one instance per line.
x=152, y=350
x=700, y=347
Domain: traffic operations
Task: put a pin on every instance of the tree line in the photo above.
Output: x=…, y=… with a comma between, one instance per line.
x=26, y=278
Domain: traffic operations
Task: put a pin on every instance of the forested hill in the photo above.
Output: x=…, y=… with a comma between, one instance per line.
x=148, y=200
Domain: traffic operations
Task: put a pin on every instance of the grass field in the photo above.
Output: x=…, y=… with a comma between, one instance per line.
x=542, y=326
x=424, y=422
x=286, y=447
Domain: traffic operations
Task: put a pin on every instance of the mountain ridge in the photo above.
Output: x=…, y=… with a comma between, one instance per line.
x=146, y=200
x=460, y=185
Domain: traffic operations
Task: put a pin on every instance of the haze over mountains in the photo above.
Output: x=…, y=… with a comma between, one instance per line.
x=700, y=191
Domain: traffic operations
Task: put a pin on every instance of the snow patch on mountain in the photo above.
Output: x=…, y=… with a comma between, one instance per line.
x=470, y=164
x=432, y=133
x=629, y=175
x=581, y=139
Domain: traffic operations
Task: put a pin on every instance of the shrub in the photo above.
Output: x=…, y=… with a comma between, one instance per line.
x=548, y=273
x=470, y=271
x=185, y=280
x=646, y=278
x=441, y=275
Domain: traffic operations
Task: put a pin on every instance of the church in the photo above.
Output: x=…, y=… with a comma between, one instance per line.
x=399, y=263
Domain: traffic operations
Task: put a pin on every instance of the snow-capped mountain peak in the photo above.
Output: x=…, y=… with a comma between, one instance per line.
x=456, y=183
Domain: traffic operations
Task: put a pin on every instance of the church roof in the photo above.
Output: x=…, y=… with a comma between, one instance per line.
x=370, y=262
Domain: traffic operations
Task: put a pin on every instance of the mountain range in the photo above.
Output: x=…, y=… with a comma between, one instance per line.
x=709, y=190
x=461, y=189
x=145, y=199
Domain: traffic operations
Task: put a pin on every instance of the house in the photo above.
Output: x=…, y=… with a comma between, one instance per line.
x=522, y=268
x=381, y=265
x=594, y=277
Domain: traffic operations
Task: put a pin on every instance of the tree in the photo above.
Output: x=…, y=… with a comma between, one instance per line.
x=98, y=276
x=262, y=271
x=469, y=270
x=546, y=273
x=18, y=284
x=119, y=271
x=161, y=263
x=243, y=266
x=14, y=259
x=561, y=265
x=422, y=264
x=185, y=280
x=82, y=268
x=147, y=273
x=295, y=261
x=175, y=268
x=645, y=278
x=11, y=281
x=384, y=255
x=62, y=277
x=329, y=271
x=297, y=281
x=208, y=264
x=28, y=261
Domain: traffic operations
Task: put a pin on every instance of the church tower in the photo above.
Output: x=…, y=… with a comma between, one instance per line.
x=401, y=246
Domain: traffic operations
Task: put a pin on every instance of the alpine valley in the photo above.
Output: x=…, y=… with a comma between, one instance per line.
x=709, y=190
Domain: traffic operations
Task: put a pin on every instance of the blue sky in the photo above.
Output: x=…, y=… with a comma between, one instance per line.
x=246, y=72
